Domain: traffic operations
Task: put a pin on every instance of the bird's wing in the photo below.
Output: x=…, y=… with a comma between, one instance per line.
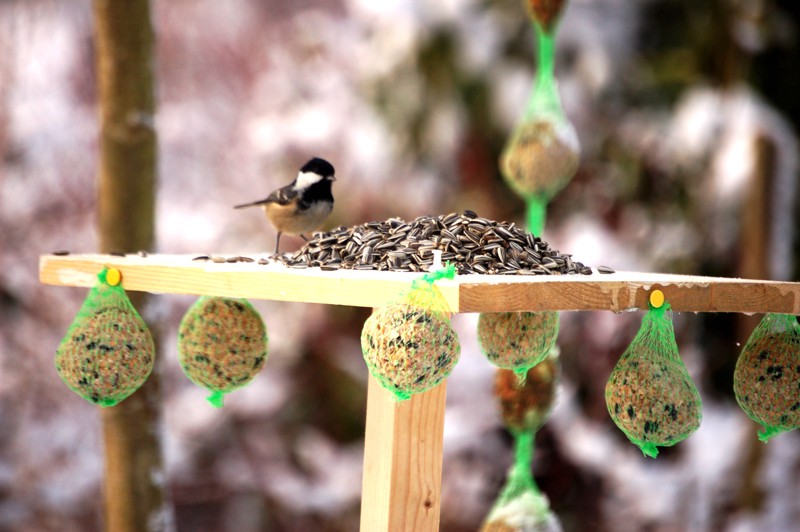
x=282, y=196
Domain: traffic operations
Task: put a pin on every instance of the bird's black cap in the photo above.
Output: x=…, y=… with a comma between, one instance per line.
x=319, y=167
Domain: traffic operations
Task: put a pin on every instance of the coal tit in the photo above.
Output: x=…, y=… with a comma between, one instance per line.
x=302, y=205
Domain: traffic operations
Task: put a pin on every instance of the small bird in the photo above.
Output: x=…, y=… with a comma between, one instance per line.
x=302, y=205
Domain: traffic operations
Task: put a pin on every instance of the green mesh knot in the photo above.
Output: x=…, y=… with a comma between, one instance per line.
x=767, y=377
x=448, y=272
x=409, y=346
x=650, y=395
x=108, y=351
x=216, y=399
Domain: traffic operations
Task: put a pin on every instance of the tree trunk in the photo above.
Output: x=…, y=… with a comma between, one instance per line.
x=134, y=491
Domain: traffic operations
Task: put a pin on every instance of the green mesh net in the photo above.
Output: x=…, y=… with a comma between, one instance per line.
x=517, y=340
x=409, y=346
x=521, y=506
x=222, y=345
x=767, y=377
x=108, y=351
x=543, y=153
x=650, y=395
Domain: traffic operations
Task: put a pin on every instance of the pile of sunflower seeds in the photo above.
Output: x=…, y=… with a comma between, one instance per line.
x=471, y=243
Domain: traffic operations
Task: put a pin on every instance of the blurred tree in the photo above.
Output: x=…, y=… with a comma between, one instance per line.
x=134, y=498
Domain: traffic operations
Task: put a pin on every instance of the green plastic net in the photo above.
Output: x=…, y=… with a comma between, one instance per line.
x=650, y=395
x=517, y=340
x=543, y=153
x=222, y=345
x=108, y=351
x=521, y=506
x=410, y=346
x=767, y=377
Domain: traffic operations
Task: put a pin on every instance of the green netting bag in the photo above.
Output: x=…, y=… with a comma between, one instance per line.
x=517, y=340
x=108, y=351
x=767, y=377
x=222, y=345
x=410, y=346
x=521, y=507
x=650, y=395
x=543, y=152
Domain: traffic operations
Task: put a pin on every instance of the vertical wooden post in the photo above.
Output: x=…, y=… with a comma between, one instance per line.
x=755, y=238
x=402, y=481
x=134, y=495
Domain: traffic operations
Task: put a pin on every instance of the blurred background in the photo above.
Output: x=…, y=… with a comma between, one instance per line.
x=687, y=113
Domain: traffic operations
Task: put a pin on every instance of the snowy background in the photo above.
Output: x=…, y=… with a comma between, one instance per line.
x=412, y=101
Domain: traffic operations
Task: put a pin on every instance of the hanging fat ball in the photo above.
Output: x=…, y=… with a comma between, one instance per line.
x=517, y=340
x=222, y=345
x=650, y=395
x=541, y=157
x=525, y=406
x=767, y=377
x=409, y=349
x=409, y=346
x=108, y=351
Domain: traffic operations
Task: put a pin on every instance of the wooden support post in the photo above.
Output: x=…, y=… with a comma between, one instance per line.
x=134, y=493
x=402, y=481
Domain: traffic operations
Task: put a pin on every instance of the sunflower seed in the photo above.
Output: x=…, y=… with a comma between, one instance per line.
x=471, y=243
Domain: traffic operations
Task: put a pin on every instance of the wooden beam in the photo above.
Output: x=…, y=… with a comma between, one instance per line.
x=618, y=292
x=401, y=488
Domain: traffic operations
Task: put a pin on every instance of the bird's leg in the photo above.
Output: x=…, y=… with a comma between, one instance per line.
x=277, y=243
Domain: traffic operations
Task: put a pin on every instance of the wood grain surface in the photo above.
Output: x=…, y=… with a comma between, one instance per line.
x=618, y=292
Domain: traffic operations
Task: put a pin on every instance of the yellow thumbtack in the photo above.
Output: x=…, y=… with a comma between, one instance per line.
x=657, y=298
x=113, y=276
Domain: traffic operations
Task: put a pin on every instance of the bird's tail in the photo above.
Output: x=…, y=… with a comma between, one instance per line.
x=253, y=204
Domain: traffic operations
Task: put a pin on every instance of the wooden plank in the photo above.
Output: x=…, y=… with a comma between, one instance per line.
x=178, y=274
x=618, y=292
x=402, y=480
x=628, y=291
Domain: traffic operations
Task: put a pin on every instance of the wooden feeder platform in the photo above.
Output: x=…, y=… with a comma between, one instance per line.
x=403, y=442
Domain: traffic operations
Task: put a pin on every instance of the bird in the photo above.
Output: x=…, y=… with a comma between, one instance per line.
x=302, y=205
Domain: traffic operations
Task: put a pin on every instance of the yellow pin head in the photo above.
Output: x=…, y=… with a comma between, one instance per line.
x=113, y=276
x=657, y=299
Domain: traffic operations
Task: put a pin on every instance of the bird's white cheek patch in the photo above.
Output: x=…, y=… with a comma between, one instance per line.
x=306, y=179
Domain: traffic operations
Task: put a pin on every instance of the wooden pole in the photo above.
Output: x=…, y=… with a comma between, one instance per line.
x=755, y=239
x=401, y=488
x=134, y=499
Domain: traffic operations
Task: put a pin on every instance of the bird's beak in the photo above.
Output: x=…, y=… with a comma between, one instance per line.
x=331, y=178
